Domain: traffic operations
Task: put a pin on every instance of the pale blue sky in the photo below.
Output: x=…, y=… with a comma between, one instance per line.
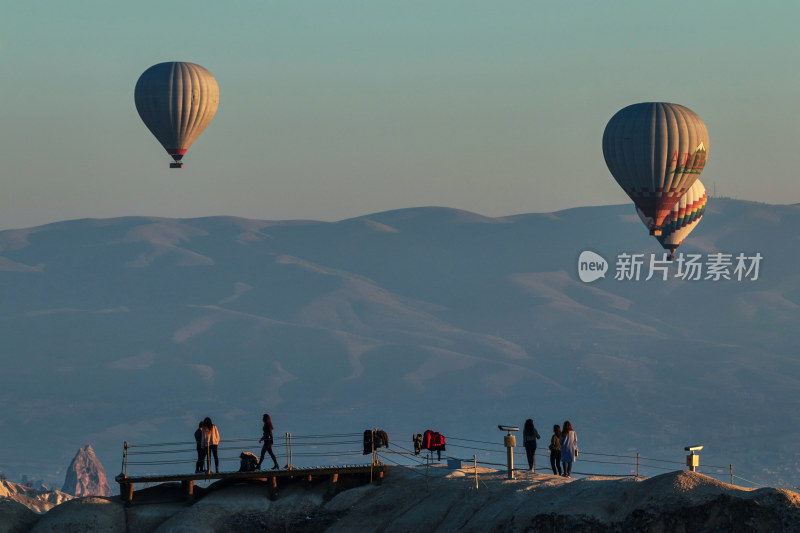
x=336, y=109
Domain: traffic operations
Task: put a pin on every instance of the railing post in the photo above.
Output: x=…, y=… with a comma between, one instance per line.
x=288, y=460
x=125, y=459
x=427, y=465
x=475, y=461
x=637, y=465
x=289, y=450
x=731, y=474
x=372, y=446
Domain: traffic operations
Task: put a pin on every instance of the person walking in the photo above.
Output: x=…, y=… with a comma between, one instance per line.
x=529, y=436
x=198, y=437
x=569, y=448
x=555, y=450
x=209, y=442
x=266, y=438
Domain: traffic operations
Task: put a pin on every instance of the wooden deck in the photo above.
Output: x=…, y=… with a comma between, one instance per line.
x=334, y=473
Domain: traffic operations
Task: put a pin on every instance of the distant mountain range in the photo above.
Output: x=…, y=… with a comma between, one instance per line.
x=133, y=329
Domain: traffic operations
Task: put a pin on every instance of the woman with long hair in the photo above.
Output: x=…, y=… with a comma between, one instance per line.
x=529, y=436
x=209, y=443
x=555, y=450
x=569, y=448
x=266, y=438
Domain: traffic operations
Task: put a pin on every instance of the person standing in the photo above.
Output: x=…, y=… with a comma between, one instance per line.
x=529, y=436
x=198, y=437
x=569, y=448
x=555, y=450
x=210, y=442
x=266, y=438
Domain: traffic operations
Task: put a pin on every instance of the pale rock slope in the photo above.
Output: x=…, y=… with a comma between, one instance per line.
x=446, y=501
x=36, y=500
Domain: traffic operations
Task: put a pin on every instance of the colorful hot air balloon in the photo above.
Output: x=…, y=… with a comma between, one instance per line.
x=682, y=219
x=176, y=101
x=655, y=151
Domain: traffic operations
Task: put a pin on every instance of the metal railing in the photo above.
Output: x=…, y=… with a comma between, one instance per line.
x=147, y=458
x=337, y=449
x=493, y=454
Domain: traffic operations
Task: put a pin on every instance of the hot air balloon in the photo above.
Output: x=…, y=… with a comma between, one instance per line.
x=682, y=219
x=655, y=151
x=176, y=101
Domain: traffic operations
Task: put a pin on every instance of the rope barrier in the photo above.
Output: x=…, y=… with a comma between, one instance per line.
x=477, y=441
x=341, y=445
x=658, y=468
x=748, y=481
x=473, y=448
x=762, y=478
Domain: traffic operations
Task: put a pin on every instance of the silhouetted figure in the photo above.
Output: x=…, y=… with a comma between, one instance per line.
x=529, y=436
x=569, y=448
x=198, y=436
x=248, y=462
x=266, y=438
x=555, y=450
x=209, y=442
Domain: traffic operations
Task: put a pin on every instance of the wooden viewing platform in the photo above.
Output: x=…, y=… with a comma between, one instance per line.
x=375, y=471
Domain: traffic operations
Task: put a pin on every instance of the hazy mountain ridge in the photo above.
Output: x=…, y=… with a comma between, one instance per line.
x=134, y=328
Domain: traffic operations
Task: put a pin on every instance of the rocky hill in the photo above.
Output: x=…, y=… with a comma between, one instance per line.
x=21, y=504
x=86, y=476
x=443, y=502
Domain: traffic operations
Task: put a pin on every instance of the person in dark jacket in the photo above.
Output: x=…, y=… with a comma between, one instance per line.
x=529, y=436
x=198, y=434
x=555, y=450
x=266, y=438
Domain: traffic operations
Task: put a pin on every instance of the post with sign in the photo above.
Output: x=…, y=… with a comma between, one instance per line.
x=693, y=460
x=509, y=441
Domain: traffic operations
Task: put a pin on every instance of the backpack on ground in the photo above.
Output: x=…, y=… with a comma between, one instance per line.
x=248, y=462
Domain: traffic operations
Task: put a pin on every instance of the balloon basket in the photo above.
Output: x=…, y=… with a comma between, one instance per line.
x=176, y=165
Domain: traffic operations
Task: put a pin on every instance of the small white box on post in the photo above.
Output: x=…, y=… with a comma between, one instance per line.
x=693, y=460
x=509, y=441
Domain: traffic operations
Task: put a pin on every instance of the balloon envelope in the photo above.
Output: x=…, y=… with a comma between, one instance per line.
x=655, y=151
x=683, y=218
x=176, y=101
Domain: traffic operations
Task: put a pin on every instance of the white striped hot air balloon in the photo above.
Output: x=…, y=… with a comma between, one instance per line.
x=655, y=151
x=682, y=219
x=176, y=102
